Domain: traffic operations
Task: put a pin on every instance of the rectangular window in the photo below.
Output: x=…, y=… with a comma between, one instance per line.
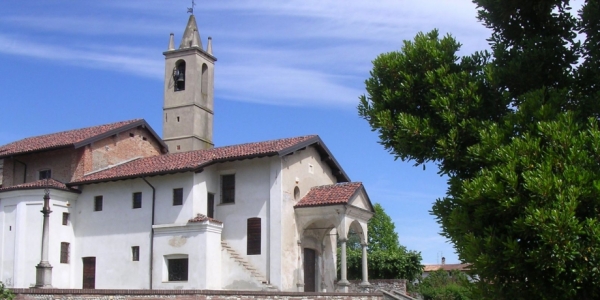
x=228, y=188
x=64, y=253
x=210, y=205
x=98, y=203
x=178, y=269
x=177, y=196
x=65, y=219
x=253, y=236
x=135, y=253
x=137, y=200
x=45, y=174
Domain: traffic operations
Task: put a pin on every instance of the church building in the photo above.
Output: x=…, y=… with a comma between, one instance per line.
x=124, y=208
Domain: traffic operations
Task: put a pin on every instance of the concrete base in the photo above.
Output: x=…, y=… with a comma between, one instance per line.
x=343, y=286
x=43, y=275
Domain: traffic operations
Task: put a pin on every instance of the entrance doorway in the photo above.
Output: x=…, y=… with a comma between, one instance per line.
x=310, y=274
x=89, y=272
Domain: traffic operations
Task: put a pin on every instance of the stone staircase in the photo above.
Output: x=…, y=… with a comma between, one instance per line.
x=246, y=265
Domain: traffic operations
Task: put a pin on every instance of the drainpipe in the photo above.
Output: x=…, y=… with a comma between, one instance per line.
x=24, y=170
x=151, y=229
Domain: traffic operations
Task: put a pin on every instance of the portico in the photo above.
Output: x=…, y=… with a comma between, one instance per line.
x=324, y=217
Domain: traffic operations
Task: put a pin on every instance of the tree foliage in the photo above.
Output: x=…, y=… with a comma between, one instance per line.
x=387, y=258
x=516, y=133
x=445, y=285
x=5, y=293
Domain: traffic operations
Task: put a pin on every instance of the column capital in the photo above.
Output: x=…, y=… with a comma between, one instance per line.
x=343, y=240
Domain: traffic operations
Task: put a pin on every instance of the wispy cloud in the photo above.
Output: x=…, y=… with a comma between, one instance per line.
x=291, y=52
x=118, y=60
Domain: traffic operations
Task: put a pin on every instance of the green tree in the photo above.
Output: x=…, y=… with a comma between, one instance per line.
x=516, y=133
x=444, y=285
x=387, y=258
x=5, y=293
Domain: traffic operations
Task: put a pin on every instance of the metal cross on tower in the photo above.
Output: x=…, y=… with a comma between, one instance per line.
x=191, y=9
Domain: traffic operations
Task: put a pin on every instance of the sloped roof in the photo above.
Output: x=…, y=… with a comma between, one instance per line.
x=196, y=160
x=40, y=184
x=339, y=193
x=73, y=138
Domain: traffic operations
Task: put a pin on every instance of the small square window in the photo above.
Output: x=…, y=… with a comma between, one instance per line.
x=45, y=174
x=137, y=200
x=135, y=253
x=228, y=188
x=177, y=196
x=64, y=253
x=65, y=219
x=98, y=203
x=178, y=269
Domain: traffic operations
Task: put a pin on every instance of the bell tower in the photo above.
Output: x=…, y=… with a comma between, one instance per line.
x=189, y=91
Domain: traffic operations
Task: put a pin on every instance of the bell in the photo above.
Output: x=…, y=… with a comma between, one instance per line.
x=180, y=77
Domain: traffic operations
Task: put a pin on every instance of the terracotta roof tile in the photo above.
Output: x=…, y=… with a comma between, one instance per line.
x=339, y=193
x=191, y=161
x=59, y=139
x=40, y=184
x=202, y=218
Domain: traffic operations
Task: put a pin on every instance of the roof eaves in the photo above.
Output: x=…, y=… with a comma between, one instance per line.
x=126, y=177
x=330, y=159
x=35, y=151
x=8, y=189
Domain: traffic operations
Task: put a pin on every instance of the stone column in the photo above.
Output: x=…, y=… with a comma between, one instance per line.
x=43, y=274
x=344, y=283
x=365, y=266
x=300, y=282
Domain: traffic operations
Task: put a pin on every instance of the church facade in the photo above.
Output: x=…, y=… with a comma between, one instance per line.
x=133, y=210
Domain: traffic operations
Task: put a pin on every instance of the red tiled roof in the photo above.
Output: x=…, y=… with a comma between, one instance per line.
x=59, y=139
x=40, y=184
x=339, y=193
x=193, y=160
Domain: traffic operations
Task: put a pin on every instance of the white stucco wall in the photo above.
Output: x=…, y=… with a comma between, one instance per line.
x=252, y=193
x=21, y=227
x=304, y=169
x=200, y=243
x=109, y=234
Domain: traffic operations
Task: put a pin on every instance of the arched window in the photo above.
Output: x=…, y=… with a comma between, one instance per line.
x=179, y=75
x=253, y=236
x=204, y=82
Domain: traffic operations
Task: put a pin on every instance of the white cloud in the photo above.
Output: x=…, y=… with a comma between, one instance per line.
x=121, y=61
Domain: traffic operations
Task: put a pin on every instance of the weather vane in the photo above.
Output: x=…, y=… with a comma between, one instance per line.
x=191, y=9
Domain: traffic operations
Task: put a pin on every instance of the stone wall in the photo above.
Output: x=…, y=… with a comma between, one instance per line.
x=389, y=285
x=83, y=294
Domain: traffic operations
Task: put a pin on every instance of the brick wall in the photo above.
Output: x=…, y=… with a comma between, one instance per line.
x=59, y=161
x=68, y=164
x=76, y=294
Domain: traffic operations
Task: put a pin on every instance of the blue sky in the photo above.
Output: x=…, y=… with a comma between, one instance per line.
x=285, y=68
